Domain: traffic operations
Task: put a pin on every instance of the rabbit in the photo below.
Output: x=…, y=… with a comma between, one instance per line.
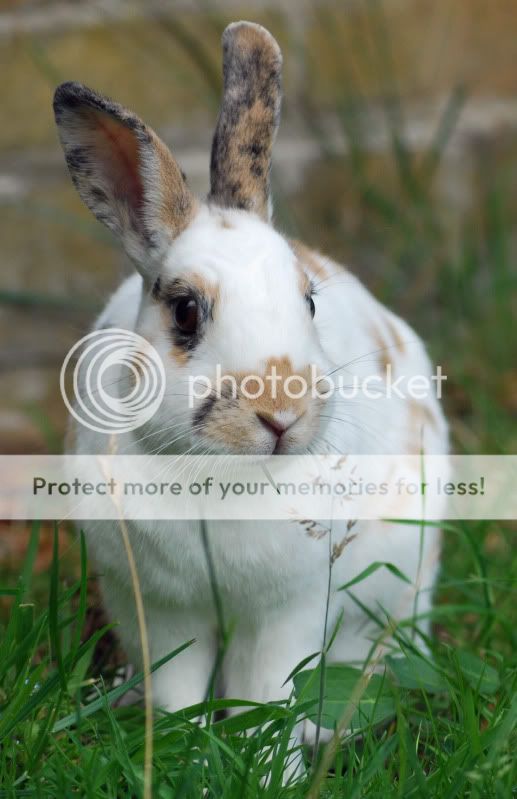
x=216, y=283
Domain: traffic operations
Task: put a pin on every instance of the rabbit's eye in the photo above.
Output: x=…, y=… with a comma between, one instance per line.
x=186, y=315
x=312, y=307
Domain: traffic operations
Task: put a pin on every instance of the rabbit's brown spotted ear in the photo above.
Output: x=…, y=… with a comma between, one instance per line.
x=248, y=119
x=123, y=172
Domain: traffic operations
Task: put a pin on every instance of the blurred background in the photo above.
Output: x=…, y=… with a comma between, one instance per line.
x=397, y=155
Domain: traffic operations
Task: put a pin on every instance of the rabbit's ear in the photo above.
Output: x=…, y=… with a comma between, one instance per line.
x=248, y=119
x=123, y=172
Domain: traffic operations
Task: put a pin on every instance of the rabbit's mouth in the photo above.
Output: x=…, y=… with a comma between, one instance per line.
x=236, y=428
x=272, y=412
x=277, y=427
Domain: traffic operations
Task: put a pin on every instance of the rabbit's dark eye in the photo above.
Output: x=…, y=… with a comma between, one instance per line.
x=186, y=315
x=312, y=307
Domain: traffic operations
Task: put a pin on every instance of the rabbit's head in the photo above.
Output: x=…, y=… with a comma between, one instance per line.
x=226, y=300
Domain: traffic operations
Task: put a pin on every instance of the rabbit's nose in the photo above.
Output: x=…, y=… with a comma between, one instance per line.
x=274, y=426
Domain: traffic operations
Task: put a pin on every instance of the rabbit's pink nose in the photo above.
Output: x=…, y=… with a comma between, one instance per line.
x=272, y=424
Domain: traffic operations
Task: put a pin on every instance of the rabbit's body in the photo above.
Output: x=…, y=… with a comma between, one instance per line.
x=272, y=576
x=251, y=291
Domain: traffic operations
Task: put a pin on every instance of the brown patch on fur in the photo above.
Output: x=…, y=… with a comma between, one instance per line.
x=309, y=260
x=388, y=343
x=205, y=287
x=398, y=342
x=180, y=355
x=304, y=282
x=272, y=401
x=383, y=350
x=248, y=120
x=209, y=291
x=225, y=223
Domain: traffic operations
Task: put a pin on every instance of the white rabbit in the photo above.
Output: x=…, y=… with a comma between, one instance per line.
x=217, y=284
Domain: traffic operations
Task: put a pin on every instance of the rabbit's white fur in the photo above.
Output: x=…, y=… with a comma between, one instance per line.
x=273, y=577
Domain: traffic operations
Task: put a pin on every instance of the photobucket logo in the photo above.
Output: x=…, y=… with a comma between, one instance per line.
x=318, y=386
x=118, y=381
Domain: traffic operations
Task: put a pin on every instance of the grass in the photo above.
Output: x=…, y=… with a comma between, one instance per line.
x=440, y=726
